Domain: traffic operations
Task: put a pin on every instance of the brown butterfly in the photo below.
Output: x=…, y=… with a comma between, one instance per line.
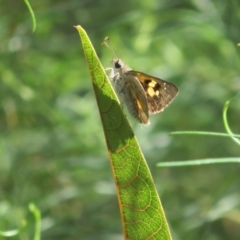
x=141, y=93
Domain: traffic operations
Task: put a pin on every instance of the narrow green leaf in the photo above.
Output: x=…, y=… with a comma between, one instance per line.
x=140, y=207
x=214, y=134
x=225, y=121
x=198, y=162
x=37, y=215
x=32, y=15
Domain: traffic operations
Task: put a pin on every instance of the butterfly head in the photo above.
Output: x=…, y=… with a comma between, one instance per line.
x=117, y=64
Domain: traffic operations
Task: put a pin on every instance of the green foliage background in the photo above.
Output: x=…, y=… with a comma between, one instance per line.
x=52, y=149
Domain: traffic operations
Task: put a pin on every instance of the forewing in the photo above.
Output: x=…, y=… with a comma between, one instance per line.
x=137, y=103
x=159, y=93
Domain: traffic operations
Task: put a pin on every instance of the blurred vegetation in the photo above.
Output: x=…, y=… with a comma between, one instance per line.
x=52, y=149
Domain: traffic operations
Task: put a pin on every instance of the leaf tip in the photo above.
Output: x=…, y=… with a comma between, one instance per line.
x=77, y=26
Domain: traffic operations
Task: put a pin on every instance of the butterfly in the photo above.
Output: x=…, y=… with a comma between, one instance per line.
x=140, y=92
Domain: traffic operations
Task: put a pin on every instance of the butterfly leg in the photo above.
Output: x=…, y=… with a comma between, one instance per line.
x=111, y=75
x=108, y=69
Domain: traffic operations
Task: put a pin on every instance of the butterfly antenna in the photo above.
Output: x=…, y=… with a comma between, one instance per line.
x=109, y=45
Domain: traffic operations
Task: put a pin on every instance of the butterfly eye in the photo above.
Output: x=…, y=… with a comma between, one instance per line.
x=117, y=64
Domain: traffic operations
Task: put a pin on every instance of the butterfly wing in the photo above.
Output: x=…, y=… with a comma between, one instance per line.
x=137, y=100
x=159, y=93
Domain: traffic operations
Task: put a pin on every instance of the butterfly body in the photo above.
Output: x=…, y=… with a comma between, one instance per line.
x=141, y=93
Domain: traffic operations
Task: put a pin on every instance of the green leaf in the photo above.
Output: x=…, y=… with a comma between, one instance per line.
x=37, y=215
x=198, y=162
x=141, y=211
x=225, y=121
x=32, y=15
x=201, y=133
